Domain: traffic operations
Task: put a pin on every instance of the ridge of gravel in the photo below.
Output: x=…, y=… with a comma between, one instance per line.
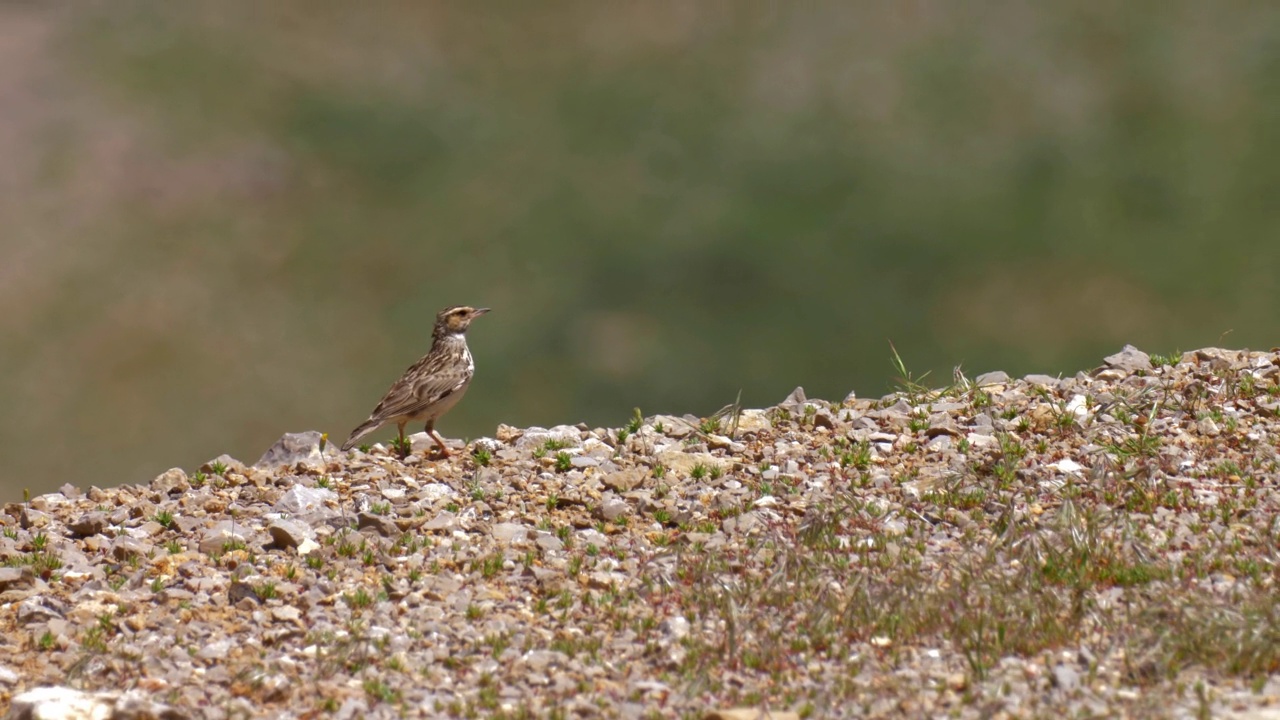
x=1097, y=545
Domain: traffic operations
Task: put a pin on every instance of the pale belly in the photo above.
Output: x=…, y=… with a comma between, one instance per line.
x=445, y=405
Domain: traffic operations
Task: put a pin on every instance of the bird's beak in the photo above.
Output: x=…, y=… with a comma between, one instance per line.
x=479, y=311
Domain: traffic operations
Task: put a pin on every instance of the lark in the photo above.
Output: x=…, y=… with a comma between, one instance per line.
x=431, y=386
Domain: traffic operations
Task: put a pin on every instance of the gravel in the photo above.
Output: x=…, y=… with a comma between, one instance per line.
x=1096, y=545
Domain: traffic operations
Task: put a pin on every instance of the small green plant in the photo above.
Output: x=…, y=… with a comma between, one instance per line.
x=659, y=471
x=499, y=642
x=907, y=383
x=552, y=501
x=358, y=600
x=219, y=468
x=266, y=590
x=402, y=446
x=980, y=399
x=165, y=518
x=699, y=471
x=198, y=479
x=346, y=548
x=380, y=691
x=94, y=639
x=563, y=462
x=491, y=565
x=482, y=456
x=380, y=508
x=1140, y=445
x=324, y=482
x=46, y=641
x=858, y=456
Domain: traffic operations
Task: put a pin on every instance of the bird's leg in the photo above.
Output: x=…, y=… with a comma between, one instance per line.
x=431, y=430
x=401, y=444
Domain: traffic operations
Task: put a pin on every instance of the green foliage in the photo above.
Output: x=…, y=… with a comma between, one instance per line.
x=757, y=227
x=564, y=461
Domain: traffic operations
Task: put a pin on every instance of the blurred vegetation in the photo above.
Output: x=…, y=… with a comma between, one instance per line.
x=224, y=221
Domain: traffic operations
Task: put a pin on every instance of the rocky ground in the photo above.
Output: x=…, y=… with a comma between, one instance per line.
x=1100, y=545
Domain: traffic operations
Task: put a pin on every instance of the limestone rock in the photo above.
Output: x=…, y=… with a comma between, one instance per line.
x=1130, y=359
x=291, y=449
x=61, y=703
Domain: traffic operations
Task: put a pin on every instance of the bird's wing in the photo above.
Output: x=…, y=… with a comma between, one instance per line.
x=420, y=389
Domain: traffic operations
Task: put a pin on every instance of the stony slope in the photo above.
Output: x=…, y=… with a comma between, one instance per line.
x=1097, y=545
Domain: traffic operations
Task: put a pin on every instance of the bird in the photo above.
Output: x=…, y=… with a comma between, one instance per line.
x=431, y=386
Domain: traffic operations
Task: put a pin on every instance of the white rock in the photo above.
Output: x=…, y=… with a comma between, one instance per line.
x=1078, y=406
x=753, y=421
x=510, y=533
x=980, y=441
x=536, y=436
x=300, y=499
x=1066, y=465
x=59, y=703
x=683, y=462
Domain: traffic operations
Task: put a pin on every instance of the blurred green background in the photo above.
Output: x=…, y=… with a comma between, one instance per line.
x=227, y=220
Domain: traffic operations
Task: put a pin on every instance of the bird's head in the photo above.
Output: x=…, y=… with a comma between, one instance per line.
x=456, y=319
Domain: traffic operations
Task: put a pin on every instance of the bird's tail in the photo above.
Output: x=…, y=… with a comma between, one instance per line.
x=365, y=428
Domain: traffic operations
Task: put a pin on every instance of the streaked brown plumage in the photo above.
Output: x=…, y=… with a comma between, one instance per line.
x=431, y=386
